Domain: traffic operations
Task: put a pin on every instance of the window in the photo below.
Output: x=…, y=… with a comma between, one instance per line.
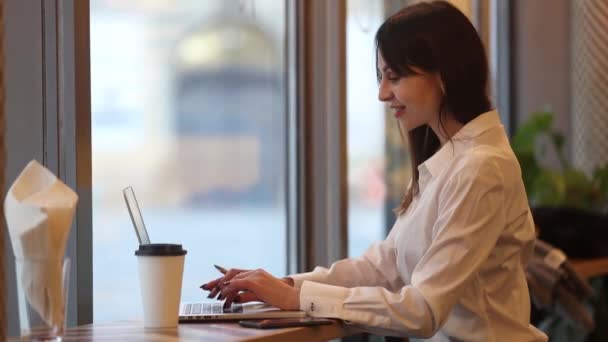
x=188, y=107
x=366, y=128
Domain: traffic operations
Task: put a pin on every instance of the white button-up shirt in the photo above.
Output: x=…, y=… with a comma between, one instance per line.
x=452, y=267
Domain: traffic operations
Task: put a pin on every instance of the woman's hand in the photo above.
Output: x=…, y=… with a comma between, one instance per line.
x=215, y=286
x=259, y=285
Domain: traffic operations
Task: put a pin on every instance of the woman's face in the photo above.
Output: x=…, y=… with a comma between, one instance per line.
x=415, y=98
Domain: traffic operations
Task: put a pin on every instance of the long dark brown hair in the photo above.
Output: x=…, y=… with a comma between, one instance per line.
x=437, y=38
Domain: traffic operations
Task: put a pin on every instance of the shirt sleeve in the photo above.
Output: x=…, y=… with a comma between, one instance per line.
x=470, y=220
x=376, y=267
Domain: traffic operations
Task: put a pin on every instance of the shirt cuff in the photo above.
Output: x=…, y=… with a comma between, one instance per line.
x=321, y=300
x=299, y=278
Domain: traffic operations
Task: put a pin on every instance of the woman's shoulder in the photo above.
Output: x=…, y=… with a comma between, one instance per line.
x=486, y=163
x=480, y=158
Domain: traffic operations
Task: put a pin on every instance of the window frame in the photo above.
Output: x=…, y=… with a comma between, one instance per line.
x=501, y=34
x=48, y=118
x=321, y=110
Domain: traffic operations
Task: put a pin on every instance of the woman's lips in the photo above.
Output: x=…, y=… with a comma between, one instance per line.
x=399, y=111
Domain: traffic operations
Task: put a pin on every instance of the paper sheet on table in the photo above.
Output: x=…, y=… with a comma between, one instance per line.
x=39, y=209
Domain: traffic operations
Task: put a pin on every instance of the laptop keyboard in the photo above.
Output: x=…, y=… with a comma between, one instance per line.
x=210, y=308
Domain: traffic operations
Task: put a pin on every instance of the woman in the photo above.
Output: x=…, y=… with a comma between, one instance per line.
x=453, y=264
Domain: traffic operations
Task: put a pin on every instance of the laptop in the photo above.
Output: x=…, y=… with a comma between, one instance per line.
x=204, y=311
x=196, y=311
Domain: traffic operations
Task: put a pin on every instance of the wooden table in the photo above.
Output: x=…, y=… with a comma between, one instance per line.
x=589, y=268
x=134, y=331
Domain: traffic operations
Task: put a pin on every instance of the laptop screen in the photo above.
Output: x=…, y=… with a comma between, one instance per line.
x=136, y=218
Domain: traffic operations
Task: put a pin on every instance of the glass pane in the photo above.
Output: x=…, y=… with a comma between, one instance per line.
x=188, y=105
x=366, y=132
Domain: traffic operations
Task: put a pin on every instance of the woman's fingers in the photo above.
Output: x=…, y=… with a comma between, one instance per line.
x=215, y=286
x=264, y=287
x=227, y=276
x=232, y=288
x=233, y=273
x=242, y=275
x=212, y=284
x=229, y=293
x=236, y=286
x=216, y=290
x=230, y=274
x=246, y=297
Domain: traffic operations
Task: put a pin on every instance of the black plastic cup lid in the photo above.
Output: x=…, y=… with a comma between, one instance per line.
x=160, y=249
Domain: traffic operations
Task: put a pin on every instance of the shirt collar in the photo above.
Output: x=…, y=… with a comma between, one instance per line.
x=448, y=151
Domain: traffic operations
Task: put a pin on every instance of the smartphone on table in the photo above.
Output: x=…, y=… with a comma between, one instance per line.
x=274, y=323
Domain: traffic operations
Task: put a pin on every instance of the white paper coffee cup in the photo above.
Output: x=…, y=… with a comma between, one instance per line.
x=161, y=267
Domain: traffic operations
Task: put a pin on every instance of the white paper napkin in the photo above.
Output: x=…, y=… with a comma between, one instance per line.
x=39, y=209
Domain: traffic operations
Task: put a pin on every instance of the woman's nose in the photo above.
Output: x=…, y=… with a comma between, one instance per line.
x=384, y=92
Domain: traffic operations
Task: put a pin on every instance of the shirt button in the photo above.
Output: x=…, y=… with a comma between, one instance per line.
x=312, y=306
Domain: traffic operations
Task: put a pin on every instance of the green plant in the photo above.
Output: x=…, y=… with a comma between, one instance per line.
x=565, y=186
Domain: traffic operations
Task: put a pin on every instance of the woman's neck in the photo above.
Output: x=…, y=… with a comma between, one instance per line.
x=446, y=129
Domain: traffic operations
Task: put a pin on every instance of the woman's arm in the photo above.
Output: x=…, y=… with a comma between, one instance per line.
x=470, y=220
x=376, y=267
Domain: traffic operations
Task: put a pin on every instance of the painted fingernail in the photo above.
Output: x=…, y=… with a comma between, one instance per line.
x=204, y=286
x=213, y=293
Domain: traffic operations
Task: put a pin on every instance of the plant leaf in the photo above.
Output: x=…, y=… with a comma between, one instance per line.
x=579, y=189
x=548, y=189
x=525, y=137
